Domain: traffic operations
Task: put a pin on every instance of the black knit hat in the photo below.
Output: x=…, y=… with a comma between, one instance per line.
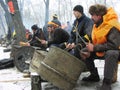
x=78, y=8
x=34, y=27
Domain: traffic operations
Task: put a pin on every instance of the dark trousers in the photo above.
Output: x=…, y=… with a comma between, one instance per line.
x=111, y=61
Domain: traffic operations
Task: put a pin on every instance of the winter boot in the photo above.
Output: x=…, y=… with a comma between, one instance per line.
x=94, y=77
x=106, y=85
x=114, y=79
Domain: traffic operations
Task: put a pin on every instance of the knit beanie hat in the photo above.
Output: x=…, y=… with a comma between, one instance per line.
x=78, y=8
x=54, y=23
x=55, y=16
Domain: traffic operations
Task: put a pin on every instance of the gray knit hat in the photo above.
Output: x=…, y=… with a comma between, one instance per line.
x=56, y=22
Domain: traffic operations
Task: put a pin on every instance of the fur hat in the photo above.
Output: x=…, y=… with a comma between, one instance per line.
x=98, y=9
x=78, y=8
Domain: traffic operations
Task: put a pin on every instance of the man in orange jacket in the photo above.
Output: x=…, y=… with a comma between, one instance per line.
x=105, y=43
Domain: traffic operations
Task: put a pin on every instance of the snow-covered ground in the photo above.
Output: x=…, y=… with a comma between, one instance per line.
x=12, y=79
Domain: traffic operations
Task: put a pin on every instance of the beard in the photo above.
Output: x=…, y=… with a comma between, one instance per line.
x=97, y=22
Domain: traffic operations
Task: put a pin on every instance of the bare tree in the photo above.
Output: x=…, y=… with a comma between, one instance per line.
x=35, y=14
x=7, y=17
x=59, y=9
x=21, y=7
x=46, y=11
x=18, y=26
x=1, y=22
x=71, y=9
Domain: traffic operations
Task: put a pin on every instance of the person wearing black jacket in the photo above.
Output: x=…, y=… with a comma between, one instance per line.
x=56, y=20
x=57, y=35
x=37, y=34
x=82, y=26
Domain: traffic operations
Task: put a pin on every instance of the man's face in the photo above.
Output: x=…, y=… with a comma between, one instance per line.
x=77, y=14
x=95, y=18
x=50, y=28
x=33, y=30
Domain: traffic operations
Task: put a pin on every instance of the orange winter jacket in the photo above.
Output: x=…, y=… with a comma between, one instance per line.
x=100, y=33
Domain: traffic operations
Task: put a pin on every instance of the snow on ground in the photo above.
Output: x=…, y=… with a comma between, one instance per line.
x=12, y=79
x=92, y=86
x=4, y=55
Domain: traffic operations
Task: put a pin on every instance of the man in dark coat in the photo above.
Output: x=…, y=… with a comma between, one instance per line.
x=45, y=31
x=37, y=34
x=82, y=28
x=105, y=43
x=56, y=34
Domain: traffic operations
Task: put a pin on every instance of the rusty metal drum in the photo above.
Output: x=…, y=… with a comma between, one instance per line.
x=38, y=56
x=61, y=68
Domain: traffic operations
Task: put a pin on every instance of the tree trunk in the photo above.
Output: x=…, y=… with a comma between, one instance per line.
x=8, y=18
x=21, y=7
x=3, y=27
x=46, y=11
x=18, y=26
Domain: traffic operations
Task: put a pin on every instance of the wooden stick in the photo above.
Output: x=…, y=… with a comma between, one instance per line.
x=38, y=39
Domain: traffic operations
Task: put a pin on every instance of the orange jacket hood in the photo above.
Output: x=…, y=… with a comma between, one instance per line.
x=110, y=20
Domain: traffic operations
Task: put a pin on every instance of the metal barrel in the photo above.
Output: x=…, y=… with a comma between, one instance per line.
x=38, y=56
x=61, y=68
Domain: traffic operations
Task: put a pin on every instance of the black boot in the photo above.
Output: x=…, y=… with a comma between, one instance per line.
x=94, y=77
x=106, y=85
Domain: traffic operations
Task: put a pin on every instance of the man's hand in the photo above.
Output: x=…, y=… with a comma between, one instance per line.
x=28, y=44
x=90, y=47
x=84, y=55
x=24, y=44
x=70, y=46
x=43, y=42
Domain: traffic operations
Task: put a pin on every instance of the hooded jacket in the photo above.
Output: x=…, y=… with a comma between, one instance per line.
x=106, y=36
